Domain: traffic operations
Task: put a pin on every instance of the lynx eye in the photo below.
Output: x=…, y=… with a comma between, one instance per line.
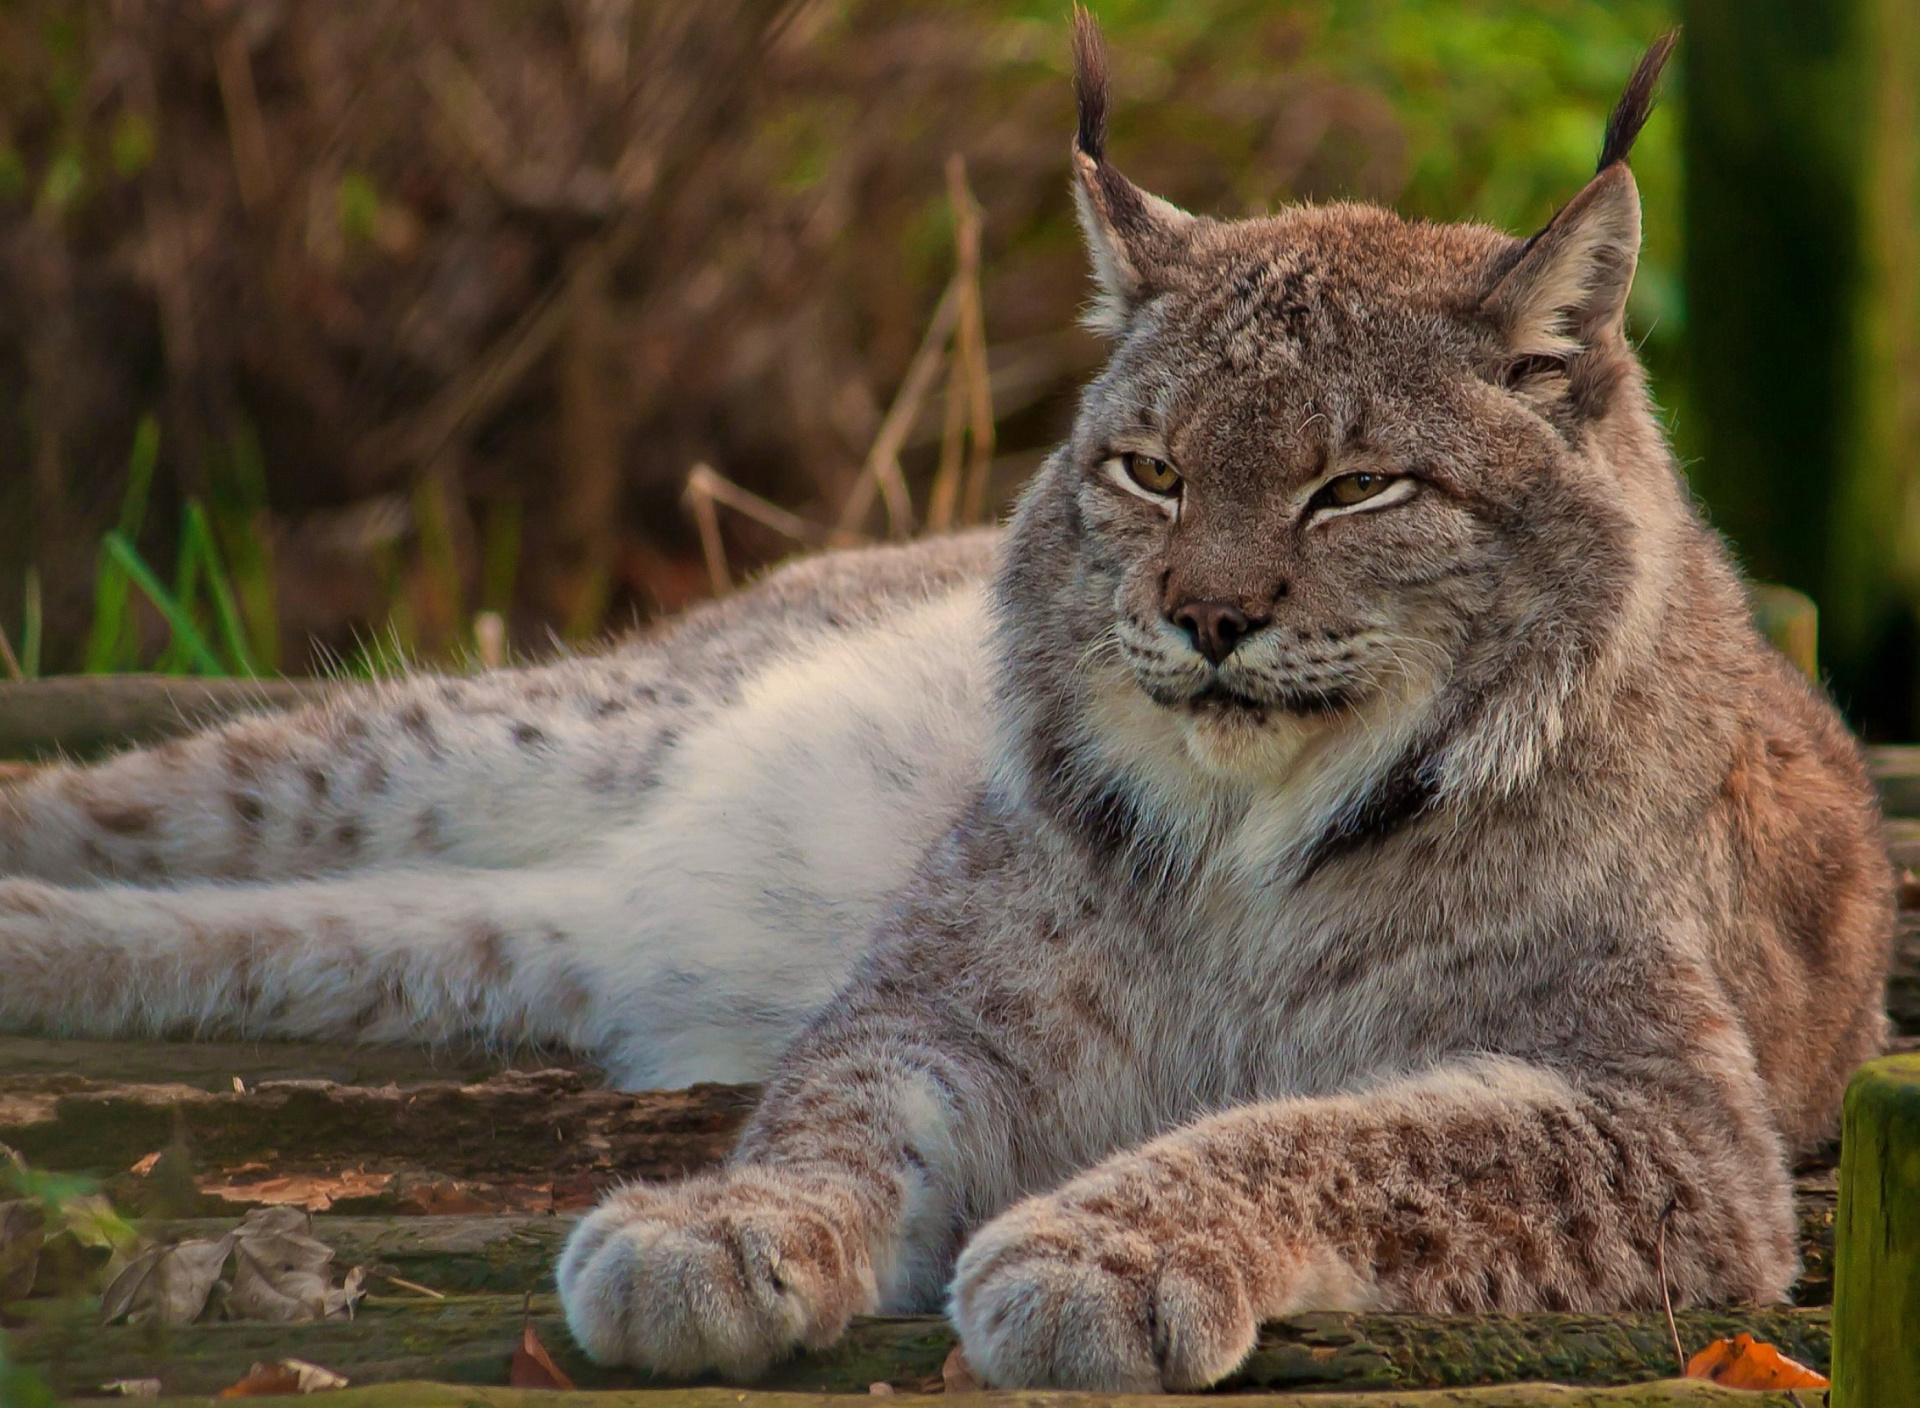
x=1530, y=368
x=1157, y=477
x=1351, y=489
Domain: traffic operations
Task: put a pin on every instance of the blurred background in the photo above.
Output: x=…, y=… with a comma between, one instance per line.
x=340, y=333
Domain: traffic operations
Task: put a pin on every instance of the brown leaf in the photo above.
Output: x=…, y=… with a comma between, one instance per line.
x=282, y=1274
x=957, y=1375
x=532, y=1366
x=313, y=1192
x=23, y=1227
x=1744, y=1362
x=145, y=1166
x=166, y=1284
x=284, y=1376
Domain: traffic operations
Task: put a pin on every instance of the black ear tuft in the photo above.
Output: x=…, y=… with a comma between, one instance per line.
x=1630, y=114
x=1090, y=84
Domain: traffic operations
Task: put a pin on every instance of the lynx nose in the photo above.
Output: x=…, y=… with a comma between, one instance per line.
x=1214, y=627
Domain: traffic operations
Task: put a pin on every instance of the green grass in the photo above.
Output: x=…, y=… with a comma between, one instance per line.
x=219, y=610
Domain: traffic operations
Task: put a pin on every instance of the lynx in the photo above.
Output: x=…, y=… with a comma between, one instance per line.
x=1343, y=846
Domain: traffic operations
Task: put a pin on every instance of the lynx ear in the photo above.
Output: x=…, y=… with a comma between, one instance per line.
x=1567, y=291
x=1134, y=238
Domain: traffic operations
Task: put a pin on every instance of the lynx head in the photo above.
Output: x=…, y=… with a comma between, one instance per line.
x=1349, y=483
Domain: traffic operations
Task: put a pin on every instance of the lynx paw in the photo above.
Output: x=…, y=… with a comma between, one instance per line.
x=1049, y=1295
x=728, y=1272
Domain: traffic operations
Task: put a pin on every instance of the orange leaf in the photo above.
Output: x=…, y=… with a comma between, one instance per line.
x=1744, y=1362
x=533, y=1367
x=284, y=1376
x=957, y=1374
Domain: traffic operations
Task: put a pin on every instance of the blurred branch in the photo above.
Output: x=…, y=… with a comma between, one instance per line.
x=881, y=472
x=707, y=483
x=488, y=143
x=8, y=658
x=969, y=392
x=246, y=130
x=699, y=498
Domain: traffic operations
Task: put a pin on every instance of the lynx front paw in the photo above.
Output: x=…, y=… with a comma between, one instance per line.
x=1050, y=1295
x=728, y=1272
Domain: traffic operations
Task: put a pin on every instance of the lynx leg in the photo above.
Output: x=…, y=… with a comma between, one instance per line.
x=1489, y=1186
x=428, y=954
x=507, y=769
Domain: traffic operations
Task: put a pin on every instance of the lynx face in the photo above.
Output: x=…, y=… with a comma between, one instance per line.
x=1347, y=478
x=1292, y=486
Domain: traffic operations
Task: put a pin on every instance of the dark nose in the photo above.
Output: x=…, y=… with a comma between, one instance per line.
x=1215, y=627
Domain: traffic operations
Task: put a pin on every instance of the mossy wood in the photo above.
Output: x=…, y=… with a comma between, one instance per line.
x=470, y=1339
x=515, y=1252
x=81, y=716
x=1877, y=1240
x=1675, y=1393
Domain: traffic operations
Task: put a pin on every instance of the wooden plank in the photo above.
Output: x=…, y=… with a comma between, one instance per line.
x=1895, y=769
x=1877, y=1241
x=214, y=1065
x=1676, y=1393
x=543, y=1122
x=470, y=1340
x=514, y=1252
x=86, y=715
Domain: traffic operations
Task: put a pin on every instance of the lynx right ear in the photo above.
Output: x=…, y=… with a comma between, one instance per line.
x=1568, y=291
x=1134, y=238
x=1565, y=293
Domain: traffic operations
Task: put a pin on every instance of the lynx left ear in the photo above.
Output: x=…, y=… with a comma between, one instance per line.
x=1567, y=292
x=1135, y=239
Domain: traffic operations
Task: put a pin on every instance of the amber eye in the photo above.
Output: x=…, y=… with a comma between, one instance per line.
x=1157, y=477
x=1350, y=489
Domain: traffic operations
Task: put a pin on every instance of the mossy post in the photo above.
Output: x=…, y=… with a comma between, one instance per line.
x=1801, y=133
x=1876, y=1309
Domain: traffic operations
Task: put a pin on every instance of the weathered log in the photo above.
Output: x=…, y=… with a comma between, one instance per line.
x=214, y=1065
x=1896, y=773
x=514, y=1253
x=1669, y=1393
x=84, y=715
x=502, y=1253
x=550, y=1123
x=470, y=1340
x=1877, y=1286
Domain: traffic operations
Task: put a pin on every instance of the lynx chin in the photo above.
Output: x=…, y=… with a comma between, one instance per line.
x=1342, y=845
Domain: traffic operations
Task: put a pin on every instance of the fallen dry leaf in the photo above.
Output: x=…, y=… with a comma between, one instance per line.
x=23, y=1227
x=532, y=1366
x=1744, y=1362
x=957, y=1375
x=282, y=1274
x=147, y=1165
x=284, y=1376
x=132, y=1388
x=314, y=1192
x=166, y=1284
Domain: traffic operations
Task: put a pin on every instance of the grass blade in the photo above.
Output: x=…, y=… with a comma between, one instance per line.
x=110, y=643
x=198, y=532
x=186, y=584
x=140, y=462
x=119, y=550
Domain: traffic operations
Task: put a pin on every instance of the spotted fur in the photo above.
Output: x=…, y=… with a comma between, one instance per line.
x=1491, y=922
